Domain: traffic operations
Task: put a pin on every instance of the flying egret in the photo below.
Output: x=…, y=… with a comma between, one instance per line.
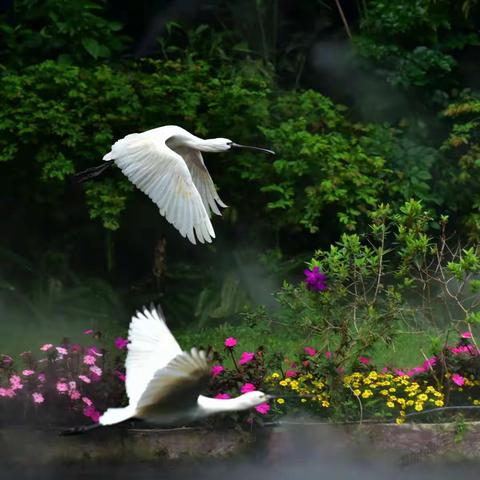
x=166, y=163
x=163, y=383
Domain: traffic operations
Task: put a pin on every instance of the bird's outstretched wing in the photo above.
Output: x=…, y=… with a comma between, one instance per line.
x=202, y=180
x=163, y=175
x=178, y=384
x=152, y=346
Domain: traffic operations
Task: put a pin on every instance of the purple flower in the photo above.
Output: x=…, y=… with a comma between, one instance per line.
x=121, y=343
x=246, y=357
x=315, y=280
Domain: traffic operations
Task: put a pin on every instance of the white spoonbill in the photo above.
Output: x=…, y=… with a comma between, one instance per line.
x=166, y=163
x=163, y=383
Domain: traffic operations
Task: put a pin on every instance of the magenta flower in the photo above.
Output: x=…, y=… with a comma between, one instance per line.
x=429, y=363
x=315, y=280
x=222, y=396
x=92, y=413
x=466, y=334
x=27, y=373
x=217, y=370
x=42, y=378
x=88, y=331
x=87, y=401
x=16, y=382
x=230, y=342
x=263, y=408
x=6, y=360
x=384, y=370
x=364, y=360
x=84, y=378
x=290, y=374
x=247, y=387
x=46, y=347
x=62, y=350
x=89, y=360
x=7, y=392
x=121, y=376
x=75, y=347
x=75, y=395
x=37, y=397
x=246, y=357
x=121, y=343
x=94, y=351
x=310, y=351
x=62, y=387
x=328, y=355
x=458, y=379
x=398, y=372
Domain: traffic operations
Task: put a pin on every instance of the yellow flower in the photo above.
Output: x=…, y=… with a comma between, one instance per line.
x=439, y=403
x=357, y=392
x=325, y=404
x=399, y=421
x=275, y=375
x=367, y=393
x=303, y=400
x=418, y=407
x=390, y=404
x=280, y=401
x=422, y=397
x=384, y=392
x=283, y=383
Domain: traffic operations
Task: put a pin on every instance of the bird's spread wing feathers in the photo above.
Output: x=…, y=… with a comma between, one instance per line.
x=152, y=346
x=202, y=180
x=163, y=175
x=179, y=383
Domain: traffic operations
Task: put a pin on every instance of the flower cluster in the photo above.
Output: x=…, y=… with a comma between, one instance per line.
x=315, y=279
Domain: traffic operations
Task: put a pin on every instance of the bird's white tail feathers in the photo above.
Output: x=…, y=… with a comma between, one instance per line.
x=108, y=156
x=116, y=415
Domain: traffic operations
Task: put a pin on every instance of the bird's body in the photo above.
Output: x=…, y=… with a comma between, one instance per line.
x=166, y=164
x=163, y=383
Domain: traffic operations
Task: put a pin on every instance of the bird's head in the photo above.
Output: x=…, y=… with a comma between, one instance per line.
x=252, y=399
x=225, y=144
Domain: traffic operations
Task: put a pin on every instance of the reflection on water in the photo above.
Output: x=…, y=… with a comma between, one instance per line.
x=292, y=454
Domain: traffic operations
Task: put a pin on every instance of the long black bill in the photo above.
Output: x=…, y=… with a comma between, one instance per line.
x=253, y=148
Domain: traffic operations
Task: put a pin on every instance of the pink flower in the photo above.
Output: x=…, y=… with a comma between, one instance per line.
x=328, y=355
x=42, y=378
x=246, y=357
x=222, y=396
x=310, y=351
x=16, y=382
x=398, y=372
x=96, y=370
x=27, y=373
x=92, y=413
x=46, y=347
x=364, y=360
x=87, y=401
x=84, y=378
x=217, y=370
x=94, y=351
x=7, y=392
x=247, y=387
x=458, y=379
x=88, y=331
x=290, y=373
x=72, y=385
x=340, y=370
x=120, y=375
x=263, y=408
x=75, y=395
x=62, y=387
x=429, y=363
x=62, y=350
x=75, y=347
x=230, y=342
x=121, y=343
x=466, y=334
x=37, y=397
x=89, y=360
x=384, y=370
x=6, y=360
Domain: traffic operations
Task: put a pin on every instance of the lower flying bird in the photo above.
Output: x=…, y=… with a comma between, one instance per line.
x=163, y=383
x=166, y=164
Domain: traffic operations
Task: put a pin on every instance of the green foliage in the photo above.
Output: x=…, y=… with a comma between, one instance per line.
x=65, y=30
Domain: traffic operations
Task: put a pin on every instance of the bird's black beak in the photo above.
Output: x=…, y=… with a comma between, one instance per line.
x=271, y=397
x=253, y=148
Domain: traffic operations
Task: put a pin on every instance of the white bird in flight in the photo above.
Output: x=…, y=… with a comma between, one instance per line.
x=164, y=383
x=166, y=163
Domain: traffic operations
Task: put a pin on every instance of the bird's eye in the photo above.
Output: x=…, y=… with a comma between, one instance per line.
x=229, y=143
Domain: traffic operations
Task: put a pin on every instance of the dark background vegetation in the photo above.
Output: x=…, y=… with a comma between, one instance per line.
x=380, y=106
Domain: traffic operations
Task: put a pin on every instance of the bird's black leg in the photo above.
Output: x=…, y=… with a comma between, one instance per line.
x=80, y=430
x=92, y=172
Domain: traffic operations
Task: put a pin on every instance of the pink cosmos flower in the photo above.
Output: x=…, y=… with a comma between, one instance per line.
x=16, y=382
x=364, y=360
x=37, y=397
x=96, y=370
x=89, y=360
x=263, y=408
x=290, y=374
x=466, y=334
x=84, y=378
x=247, y=387
x=222, y=396
x=458, y=379
x=46, y=347
x=230, y=342
x=75, y=395
x=120, y=375
x=94, y=351
x=384, y=370
x=42, y=378
x=75, y=347
x=121, y=343
x=92, y=413
x=246, y=357
x=217, y=370
x=429, y=363
x=328, y=355
x=27, y=373
x=7, y=392
x=62, y=387
x=310, y=351
x=87, y=401
x=88, y=331
x=398, y=372
x=62, y=350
